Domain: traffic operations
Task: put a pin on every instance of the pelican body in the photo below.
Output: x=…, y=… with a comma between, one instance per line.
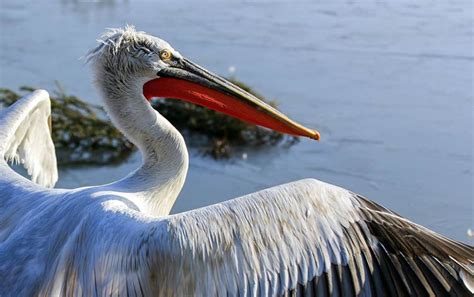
x=305, y=238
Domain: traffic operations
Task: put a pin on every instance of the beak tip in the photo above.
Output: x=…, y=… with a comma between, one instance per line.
x=315, y=135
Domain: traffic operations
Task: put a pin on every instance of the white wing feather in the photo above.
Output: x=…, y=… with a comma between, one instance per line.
x=25, y=137
x=304, y=238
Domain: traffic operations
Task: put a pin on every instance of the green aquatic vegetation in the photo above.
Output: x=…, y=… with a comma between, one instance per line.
x=222, y=133
x=82, y=133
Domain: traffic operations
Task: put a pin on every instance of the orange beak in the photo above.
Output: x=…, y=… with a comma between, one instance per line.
x=187, y=81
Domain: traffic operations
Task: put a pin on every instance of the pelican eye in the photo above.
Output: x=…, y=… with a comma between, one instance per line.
x=166, y=55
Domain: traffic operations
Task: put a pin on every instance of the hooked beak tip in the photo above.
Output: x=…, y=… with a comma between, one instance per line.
x=315, y=135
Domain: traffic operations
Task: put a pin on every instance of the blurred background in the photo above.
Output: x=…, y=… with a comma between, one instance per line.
x=389, y=84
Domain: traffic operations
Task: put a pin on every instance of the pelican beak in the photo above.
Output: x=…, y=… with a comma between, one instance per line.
x=187, y=81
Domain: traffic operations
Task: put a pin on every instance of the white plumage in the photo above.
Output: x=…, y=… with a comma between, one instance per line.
x=26, y=138
x=303, y=238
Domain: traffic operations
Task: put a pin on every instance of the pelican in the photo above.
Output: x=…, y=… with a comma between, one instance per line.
x=305, y=238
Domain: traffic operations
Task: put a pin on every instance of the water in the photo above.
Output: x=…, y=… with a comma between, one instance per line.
x=389, y=85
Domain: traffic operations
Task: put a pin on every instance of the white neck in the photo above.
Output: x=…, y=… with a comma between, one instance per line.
x=155, y=186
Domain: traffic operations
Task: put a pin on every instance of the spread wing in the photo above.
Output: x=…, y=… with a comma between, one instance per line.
x=305, y=238
x=25, y=137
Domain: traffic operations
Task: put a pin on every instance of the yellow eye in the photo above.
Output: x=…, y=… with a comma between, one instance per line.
x=166, y=55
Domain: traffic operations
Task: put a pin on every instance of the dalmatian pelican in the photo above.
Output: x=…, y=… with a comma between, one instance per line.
x=305, y=238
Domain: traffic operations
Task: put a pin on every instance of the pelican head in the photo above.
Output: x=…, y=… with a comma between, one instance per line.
x=126, y=55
